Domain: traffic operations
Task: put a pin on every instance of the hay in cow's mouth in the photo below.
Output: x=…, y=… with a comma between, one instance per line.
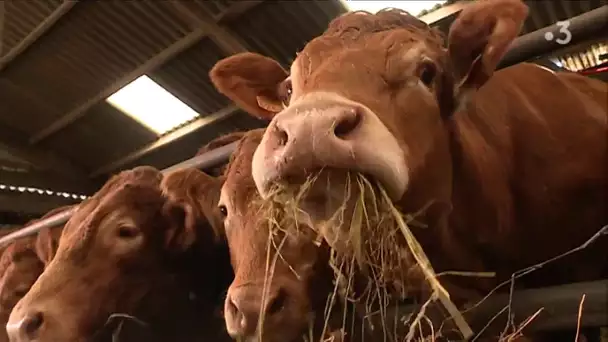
x=369, y=239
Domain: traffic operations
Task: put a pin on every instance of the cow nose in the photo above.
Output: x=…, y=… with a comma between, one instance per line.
x=337, y=123
x=243, y=308
x=27, y=328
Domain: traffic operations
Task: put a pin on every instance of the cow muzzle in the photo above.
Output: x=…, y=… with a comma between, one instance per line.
x=325, y=130
x=25, y=327
x=251, y=316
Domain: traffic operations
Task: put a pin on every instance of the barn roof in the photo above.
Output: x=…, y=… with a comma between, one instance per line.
x=61, y=60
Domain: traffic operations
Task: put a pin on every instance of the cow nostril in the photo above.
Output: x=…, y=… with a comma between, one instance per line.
x=32, y=324
x=232, y=308
x=277, y=303
x=347, y=123
x=281, y=136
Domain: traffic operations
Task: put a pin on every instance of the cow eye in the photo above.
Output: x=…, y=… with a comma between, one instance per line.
x=127, y=232
x=223, y=210
x=285, y=90
x=427, y=73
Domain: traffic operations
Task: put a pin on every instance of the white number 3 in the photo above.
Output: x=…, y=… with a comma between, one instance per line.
x=563, y=28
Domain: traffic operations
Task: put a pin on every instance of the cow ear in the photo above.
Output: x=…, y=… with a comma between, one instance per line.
x=252, y=82
x=181, y=233
x=191, y=208
x=47, y=242
x=480, y=37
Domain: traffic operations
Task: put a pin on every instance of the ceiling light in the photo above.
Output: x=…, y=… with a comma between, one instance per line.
x=152, y=106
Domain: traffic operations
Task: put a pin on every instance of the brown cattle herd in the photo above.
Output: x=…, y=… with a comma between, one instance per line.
x=397, y=167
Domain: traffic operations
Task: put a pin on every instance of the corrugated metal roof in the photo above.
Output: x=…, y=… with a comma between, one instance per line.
x=100, y=45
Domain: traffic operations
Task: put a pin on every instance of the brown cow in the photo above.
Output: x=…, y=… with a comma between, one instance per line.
x=296, y=282
x=512, y=160
x=19, y=269
x=21, y=264
x=143, y=247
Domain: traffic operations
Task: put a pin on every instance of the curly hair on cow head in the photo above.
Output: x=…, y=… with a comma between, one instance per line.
x=361, y=23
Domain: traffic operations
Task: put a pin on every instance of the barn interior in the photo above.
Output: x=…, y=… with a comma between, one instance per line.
x=72, y=74
x=90, y=88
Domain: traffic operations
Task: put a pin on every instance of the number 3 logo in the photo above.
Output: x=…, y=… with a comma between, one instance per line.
x=563, y=28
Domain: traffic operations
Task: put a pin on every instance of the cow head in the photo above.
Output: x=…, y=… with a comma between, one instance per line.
x=134, y=249
x=374, y=94
x=280, y=278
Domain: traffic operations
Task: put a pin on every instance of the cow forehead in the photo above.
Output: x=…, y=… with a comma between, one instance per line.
x=364, y=32
x=239, y=187
x=139, y=201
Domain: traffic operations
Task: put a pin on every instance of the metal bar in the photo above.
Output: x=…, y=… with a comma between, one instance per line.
x=167, y=139
x=203, y=161
x=558, y=304
x=534, y=44
x=41, y=29
x=206, y=160
x=170, y=52
x=34, y=228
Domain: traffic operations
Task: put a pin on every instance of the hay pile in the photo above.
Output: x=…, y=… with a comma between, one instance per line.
x=376, y=259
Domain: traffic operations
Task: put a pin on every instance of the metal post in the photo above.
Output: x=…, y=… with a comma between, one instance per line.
x=535, y=43
x=558, y=306
x=203, y=161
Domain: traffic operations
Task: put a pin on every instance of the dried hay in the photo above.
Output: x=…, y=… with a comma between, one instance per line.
x=379, y=246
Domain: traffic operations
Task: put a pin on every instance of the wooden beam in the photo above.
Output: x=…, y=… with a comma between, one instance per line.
x=202, y=27
x=236, y=10
x=221, y=36
x=156, y=61
x=41, y=29
x=16, y=144
x=167, y=139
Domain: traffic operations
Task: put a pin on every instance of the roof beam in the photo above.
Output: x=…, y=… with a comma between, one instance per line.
x=16, y=144
x=227, y=41
x=156, y=61
x=41, y=29
x=236, y=10
x=167, y=139
x=204, y=29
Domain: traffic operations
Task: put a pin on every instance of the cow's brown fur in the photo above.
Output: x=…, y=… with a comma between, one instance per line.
x=22, y=263
x=512, y=160
x=19, y=269
x=301, y=271
x=142, y=246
